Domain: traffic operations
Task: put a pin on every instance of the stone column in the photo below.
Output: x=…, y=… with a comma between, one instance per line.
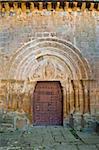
x=76, y=91
x=93, y=97
x=68, y=95
x=83, y=96
x=64, y=101
x=78, y=95
x=87, y=95
x=74, y=94
x=85, y=85
x=31, y=85
x=97, y=98
x=80, y=98
x=72, y=109
x=65, y=111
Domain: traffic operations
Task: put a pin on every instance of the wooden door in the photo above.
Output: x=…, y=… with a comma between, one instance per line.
x=47, y=103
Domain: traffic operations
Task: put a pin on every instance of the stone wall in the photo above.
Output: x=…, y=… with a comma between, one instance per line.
x=80, y=29
x=21, y=35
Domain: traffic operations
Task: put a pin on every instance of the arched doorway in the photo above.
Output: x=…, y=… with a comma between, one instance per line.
x=52, y=59
x=48, y=103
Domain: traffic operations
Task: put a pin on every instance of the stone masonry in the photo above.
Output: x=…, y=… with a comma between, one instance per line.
x=68, y=42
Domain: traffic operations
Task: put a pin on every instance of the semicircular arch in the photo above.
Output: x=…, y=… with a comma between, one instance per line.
x=30, y=58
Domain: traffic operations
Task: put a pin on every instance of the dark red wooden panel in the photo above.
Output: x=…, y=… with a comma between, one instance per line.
x=47, y=103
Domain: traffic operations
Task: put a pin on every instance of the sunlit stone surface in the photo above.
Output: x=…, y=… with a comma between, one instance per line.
x=50, y=46
x=49, y=43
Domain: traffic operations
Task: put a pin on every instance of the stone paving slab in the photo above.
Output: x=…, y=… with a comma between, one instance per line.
x=47, y=138
x=65, y=146
x=69, y=137
x=89, y=138
x=87, y=147
x=56, y=134
x=56, y=146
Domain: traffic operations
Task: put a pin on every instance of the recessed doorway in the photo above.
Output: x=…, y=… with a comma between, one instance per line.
x=48, y=103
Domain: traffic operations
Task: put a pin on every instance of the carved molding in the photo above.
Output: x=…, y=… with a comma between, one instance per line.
x=64, y=57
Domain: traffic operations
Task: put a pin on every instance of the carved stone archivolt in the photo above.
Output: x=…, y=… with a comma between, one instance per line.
x=33, y=55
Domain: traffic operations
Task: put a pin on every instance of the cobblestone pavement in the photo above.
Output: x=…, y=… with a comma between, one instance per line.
x=48, y=138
